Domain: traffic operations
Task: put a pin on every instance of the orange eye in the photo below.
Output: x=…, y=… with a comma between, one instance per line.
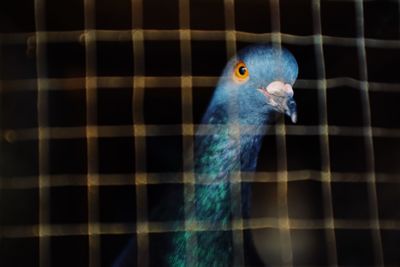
x=241, y=72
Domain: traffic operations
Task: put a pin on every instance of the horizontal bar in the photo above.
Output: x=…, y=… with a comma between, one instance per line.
x=196, y=35
x=60, y=180
x=175, y=226
x=13, y=135
x=117, y=82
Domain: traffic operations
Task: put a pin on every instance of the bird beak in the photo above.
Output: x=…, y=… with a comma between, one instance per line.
x=280, y=96
x=291, y=109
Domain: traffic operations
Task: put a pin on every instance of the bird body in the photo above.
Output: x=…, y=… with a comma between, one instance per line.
x=254, y=86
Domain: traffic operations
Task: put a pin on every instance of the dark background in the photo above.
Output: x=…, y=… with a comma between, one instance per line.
x=79, y=180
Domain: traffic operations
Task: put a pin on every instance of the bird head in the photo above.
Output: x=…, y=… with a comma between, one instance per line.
x=259, y=80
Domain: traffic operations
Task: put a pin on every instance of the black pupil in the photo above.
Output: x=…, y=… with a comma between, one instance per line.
x=242, y=70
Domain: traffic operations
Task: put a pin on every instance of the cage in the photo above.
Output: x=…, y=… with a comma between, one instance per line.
x=100, y=100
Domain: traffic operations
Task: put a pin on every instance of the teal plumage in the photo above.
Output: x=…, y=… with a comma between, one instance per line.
x=255, y=85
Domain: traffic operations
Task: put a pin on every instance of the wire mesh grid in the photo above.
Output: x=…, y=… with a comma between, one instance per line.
x=333, y=177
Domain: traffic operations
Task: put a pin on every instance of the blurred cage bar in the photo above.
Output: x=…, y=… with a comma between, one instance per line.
x=99, y=100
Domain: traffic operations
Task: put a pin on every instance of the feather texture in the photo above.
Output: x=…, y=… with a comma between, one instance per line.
x=221, y=150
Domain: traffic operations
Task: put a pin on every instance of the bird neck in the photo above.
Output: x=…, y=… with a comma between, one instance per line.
x=223, y=149
x=220, y=152
x=224, y=144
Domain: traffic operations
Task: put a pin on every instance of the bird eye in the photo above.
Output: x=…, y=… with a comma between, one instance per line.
x=241, y=72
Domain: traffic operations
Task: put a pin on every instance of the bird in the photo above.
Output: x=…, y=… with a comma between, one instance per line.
x=255, y=86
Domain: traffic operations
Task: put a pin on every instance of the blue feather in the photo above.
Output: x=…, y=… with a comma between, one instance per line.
x=217, y=155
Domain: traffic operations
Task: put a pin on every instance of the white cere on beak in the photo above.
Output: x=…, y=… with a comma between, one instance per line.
x=278, y=88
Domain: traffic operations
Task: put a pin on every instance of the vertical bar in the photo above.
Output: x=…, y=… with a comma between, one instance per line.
x=236, y=179
x=187, y=124
x=275, y=23
x=92, y=134
x=43, y=134
x=280, y=128
x=329, y=222
x=139, y=129
x=2, y=132
x=368, y=138
x=230, y=28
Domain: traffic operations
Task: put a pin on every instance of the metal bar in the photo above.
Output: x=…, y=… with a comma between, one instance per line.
x=368, y=138
x=324, y=137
